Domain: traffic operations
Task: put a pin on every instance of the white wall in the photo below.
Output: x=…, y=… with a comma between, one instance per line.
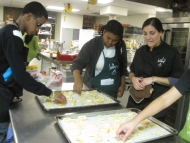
x=134, y=20
x=66, y=20
x=69, y=21
x=1, y=13
x=58, y=27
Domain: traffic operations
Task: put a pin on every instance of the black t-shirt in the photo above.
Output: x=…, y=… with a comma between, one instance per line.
x=183, y=84
x=12, y=55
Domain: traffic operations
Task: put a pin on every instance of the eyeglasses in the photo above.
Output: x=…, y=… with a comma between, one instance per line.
x=38, y=23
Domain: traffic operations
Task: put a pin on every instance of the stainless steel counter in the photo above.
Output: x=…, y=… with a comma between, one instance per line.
x=32, y=124
x=46, y=57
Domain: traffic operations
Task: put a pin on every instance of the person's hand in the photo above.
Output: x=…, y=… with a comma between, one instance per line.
x=77, y=87
x=147, y=81
x=125, y=129
x=120, y=91
x=59, y=97
x=137, y=83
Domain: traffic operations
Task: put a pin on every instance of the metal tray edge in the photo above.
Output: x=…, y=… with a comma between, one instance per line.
x=169, y=129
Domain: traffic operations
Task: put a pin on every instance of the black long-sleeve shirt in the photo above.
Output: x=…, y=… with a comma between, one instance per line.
x=90, y=54
x=12, y=55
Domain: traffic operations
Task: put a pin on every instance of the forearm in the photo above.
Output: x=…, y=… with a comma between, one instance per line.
x=77, y=75
x=160, y=103
x=131, y=75
x=122, y=81
x=161, y=80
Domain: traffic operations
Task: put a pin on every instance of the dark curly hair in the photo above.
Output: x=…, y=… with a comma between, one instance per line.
x=36, y=8
x=114, y=27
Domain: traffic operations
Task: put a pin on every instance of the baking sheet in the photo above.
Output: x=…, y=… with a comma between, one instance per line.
x=88, y=98
x=102, y=126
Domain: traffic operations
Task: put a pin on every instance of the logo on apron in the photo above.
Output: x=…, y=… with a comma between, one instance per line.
x=161, y=62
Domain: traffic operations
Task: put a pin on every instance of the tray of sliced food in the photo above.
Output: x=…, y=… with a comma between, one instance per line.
x=88, y=98
x=101, y=127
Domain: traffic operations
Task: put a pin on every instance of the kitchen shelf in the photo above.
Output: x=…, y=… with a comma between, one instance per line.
x=45, y=33
x=88, y=21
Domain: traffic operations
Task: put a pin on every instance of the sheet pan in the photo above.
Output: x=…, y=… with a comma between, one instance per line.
x=102, y=126
x=75, y=101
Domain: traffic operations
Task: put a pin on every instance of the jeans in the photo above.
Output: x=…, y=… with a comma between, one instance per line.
x=3, y=131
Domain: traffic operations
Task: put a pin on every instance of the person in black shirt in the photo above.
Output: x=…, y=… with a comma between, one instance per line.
x=182, y=87
x=155, y=63
x=104, y=59
x=13, y=77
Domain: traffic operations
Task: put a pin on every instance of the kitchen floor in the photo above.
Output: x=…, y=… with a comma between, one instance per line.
x=124, y=99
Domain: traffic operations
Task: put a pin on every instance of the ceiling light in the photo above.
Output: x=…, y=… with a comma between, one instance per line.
x=160, y=9
x=75, y=10
x=60, y=8
x=103, y=1
x=55, y=7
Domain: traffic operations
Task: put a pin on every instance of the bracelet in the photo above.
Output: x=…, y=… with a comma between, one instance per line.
x=53, y=95
x=152, y=80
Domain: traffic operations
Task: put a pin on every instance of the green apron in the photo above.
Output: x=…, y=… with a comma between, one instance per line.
x=109, y=74
x=185, y=132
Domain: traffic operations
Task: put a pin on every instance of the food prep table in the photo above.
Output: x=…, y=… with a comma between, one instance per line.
x=30, y=123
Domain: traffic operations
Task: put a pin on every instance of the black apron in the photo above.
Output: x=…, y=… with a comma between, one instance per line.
x=110, y=73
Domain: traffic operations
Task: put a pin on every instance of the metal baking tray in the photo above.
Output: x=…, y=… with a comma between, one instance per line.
x=153, y=130
x=68, y=107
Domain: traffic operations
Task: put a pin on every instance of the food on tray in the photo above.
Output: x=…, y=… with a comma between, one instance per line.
x=87, y=98
x=61, y=105
x=49, y=104
x=73, y=102
x=98, y=139
x=144, y=122
x=133, y=134
x=130, y=113
x=152, y=125
x=66, y=119
x=140, y=128
x=99, y=117
x=102, y=128
x=82, y=118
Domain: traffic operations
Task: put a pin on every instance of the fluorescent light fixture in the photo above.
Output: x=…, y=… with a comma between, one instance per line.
x=75, y=10
x=55, y=7
x=102, y=1
x=160, y=9
x=60, y=8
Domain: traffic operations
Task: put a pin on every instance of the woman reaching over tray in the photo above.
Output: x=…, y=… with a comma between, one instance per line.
x=156, y=67
x=104, y=59
x=182, y=87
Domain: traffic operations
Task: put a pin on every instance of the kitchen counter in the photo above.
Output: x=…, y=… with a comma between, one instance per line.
x=47, y=62
x=32, y=124
x=46, y=56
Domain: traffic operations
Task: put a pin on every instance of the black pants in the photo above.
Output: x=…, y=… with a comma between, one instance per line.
x=6, y=98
